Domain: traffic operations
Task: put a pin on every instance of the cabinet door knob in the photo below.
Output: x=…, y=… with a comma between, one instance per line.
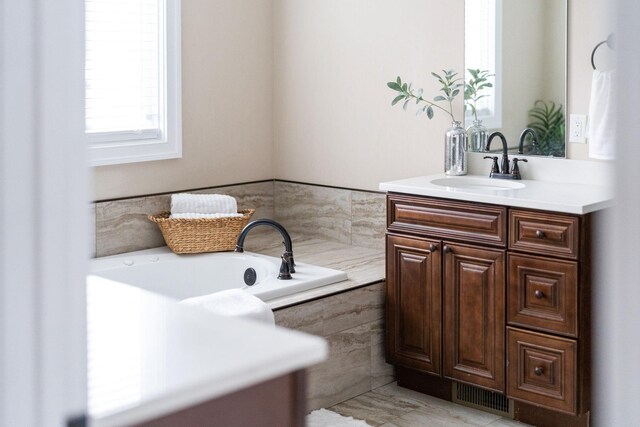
x=538, y=370
x=539, y=234
x=538, y=294
x=446, y=249
x=433, y=247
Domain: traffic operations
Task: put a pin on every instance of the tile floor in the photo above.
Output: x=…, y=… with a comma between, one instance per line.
x=393, y=406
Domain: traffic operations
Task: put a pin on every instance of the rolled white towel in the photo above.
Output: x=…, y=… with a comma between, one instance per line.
x=197, y=215
x=234, y=302
x=203, y=203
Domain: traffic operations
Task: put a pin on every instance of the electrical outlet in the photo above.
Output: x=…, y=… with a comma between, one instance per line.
x=577, y=128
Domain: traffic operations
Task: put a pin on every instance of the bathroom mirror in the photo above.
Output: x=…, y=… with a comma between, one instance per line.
x=524, y=44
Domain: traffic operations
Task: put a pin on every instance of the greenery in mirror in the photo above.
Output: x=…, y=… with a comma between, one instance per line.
x=451, y=87
x=547, y=119
x=478, y=82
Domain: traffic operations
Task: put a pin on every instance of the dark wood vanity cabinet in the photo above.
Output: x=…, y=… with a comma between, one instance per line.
x=494, y=297
x=414, y=303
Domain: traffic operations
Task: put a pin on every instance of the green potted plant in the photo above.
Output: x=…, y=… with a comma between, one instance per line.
x=455, y=137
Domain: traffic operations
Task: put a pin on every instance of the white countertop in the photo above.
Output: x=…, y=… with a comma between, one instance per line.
x=543, y=195
x=149, y=356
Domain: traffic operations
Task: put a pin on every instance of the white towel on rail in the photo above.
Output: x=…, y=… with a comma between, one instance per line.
x=203, y=203
x=212, y=215
x=235, y=303
x=602, y=115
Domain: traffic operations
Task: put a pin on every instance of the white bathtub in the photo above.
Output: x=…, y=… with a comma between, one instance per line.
x=184, y=276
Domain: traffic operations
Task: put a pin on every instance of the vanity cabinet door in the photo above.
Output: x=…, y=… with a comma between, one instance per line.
x=414, y=303
x=474, y=315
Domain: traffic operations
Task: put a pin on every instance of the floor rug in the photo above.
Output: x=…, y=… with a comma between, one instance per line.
x=325, y=418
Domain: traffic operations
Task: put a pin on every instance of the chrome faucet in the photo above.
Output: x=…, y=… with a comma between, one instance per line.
x=534, y=140
x=503, y=172
x=288, y=264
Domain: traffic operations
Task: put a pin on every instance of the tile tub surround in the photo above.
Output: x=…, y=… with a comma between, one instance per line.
x=352, y=324
x=122, y=225
x=346, y=216
x=342, y=215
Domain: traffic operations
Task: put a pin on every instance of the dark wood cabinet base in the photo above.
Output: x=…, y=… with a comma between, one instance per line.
x=280, y=402
x=541, y=417
x=529, y=414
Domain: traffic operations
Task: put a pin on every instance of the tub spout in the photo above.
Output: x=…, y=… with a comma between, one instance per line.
x=288, y=263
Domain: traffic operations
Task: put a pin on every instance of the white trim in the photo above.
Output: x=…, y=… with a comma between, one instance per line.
x=43, y=206
x=169, y=144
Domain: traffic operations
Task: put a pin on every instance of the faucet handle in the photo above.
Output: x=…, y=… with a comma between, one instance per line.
x=515, y=171
x=494, y=165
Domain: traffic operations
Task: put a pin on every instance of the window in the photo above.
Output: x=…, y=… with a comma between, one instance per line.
x=132, y=80
x=483, y=50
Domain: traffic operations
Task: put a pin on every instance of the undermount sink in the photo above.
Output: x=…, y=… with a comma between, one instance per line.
x=477, y=183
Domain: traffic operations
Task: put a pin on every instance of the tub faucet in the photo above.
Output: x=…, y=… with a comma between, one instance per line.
x=534, y=140
x=288, y=264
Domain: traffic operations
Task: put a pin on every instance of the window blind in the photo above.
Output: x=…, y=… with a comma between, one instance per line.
x=124, y=69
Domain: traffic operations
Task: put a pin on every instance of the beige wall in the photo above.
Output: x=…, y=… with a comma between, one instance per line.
x=523, y=56
x=334, y=123
x=296, y=89
x=590, y=22
x=227, y=79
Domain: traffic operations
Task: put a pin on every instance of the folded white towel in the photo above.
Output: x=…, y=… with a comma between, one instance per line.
x=203, y=203
x=602, y=115
x=213, y=215
x=234, y=302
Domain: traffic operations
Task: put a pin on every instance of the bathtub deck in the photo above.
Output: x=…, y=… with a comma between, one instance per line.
x=363, y=266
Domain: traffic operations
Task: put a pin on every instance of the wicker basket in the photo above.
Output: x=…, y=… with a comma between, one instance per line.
x=192, y=236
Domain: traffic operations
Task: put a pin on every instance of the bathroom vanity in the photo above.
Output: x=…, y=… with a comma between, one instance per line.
x=488, y=293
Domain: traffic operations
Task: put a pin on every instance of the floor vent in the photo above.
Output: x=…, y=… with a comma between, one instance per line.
x=483, y=400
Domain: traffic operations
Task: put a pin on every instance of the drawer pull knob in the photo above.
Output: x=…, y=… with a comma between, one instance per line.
x=539, y=234
x=433, y=247
x=538, y=370
x=446, y=249
x=538, y=294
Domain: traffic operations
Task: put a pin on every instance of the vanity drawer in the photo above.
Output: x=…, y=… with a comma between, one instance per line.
x=544, y=233
x=541, y=369
x=542, y=294
x=467, y=222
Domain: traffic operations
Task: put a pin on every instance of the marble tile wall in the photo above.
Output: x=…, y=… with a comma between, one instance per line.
x=346, y=216
x=352, y=323
x=122, y=225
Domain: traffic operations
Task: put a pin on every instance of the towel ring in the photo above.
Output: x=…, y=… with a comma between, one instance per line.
x=608, y=42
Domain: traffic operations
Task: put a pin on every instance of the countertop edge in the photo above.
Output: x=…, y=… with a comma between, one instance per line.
x=511, y=198
x=301, y=351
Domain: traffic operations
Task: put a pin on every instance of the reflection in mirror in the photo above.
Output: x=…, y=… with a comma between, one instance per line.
x=523, y=43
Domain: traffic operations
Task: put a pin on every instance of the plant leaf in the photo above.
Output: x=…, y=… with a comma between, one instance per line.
x=439, y=98
x=406, y=103
x=394, y=86
x=430, y=112
x=397, y=99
